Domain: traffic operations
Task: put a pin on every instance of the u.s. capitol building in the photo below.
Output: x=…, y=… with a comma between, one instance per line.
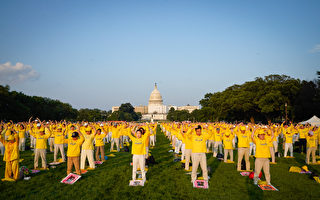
x=155, y=109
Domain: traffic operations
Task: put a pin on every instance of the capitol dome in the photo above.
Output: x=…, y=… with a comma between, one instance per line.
x=155, y=97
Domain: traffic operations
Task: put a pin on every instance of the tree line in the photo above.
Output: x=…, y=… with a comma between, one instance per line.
x=272, y=98
x=17, y=106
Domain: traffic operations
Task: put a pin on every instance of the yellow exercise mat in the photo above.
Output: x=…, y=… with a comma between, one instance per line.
x=44, y=169
x=295, y=169
x=113, y=151
x=289, y=157
x=260, y=182
x=190, y=169
x=305, y=168
x=229, y=161
x=60, y=160
x=145, y=169
x=317, y=179
x=8, y=179
x=183, y=161
x=111, y=155
x=89, y=168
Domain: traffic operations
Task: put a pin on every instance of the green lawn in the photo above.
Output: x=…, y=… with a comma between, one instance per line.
x=166, y=180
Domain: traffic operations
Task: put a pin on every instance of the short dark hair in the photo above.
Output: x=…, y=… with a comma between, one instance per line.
x=198, y=127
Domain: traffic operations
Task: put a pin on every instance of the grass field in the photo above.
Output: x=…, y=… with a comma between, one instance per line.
x=165, y=180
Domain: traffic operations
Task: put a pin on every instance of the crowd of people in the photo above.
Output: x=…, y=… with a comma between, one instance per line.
x=85, y=141
x=194, y=140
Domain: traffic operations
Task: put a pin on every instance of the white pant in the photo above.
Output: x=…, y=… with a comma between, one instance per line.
x=210, y=143
x=32, y=141
x=178, y=145
x=183, y=147
x=188, y=156
x=275, y=145
x=252, y=149
x=117, y=141
x=109, y=137
x=87, y=154
x=22, y=144
x=138, y=160
x=199, y=158
x=215, y=148
x=288, y=146
x=58, y=147
x=2, y=148
x=152, y=140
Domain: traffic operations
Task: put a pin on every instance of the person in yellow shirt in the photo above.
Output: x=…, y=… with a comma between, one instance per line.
x=22, y=137
x=303, y=132
x=262, y=155
x=87, y=147
x=188, y=146
x=288, y=146
x=138, y=152
x=270, y=139
x=41, y=134
x=58, y=136
x=115, y=136
x=311, y=146
x=243, y=136
x=74, y=144
x=227, y=140
x=2, y=131
x=217, y=141
x=11, y=156
x=99, y=144
x=199, y=149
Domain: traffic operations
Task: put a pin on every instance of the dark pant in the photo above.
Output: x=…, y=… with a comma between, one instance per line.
x=303, y=145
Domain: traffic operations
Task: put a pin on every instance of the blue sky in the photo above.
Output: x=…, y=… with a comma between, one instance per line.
x=98, y=54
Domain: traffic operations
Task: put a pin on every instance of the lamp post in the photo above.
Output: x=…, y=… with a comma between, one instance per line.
x=286, y=105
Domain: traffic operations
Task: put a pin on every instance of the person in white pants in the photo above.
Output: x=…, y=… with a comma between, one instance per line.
x=87, y=148
x=138, y=152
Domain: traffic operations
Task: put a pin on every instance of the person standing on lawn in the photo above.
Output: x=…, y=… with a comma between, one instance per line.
x=311, y=146
x=198, y=155
x=262, y=154
x=59, y=136
x=41, y=134
x=138, y=152
x=11, y=156
x=99, y=145
x=74, y=144
x=243, y=146
x=87, y=147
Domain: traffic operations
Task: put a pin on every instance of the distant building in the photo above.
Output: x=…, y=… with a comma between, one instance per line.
x=155, y=109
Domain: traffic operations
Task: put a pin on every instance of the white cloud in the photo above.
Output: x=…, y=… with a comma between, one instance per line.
x=316, y=49
x=12, y=74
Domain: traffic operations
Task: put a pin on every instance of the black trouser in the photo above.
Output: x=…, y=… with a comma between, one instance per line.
x=302, y=145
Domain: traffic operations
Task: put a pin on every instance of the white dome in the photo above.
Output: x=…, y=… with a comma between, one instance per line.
x=155, y=97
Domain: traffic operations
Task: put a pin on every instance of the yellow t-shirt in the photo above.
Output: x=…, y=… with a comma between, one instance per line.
x=311, y=141
x=227, y=142
x=58, y=137
x=74, y=146
x=262, y=149
x=288, y=136
x=199, y=142
x=138, y=144
x=99, y=139
x=244, y=139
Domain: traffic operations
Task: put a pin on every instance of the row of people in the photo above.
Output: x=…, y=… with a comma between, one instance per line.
x=80, y=139
x=195, y=140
